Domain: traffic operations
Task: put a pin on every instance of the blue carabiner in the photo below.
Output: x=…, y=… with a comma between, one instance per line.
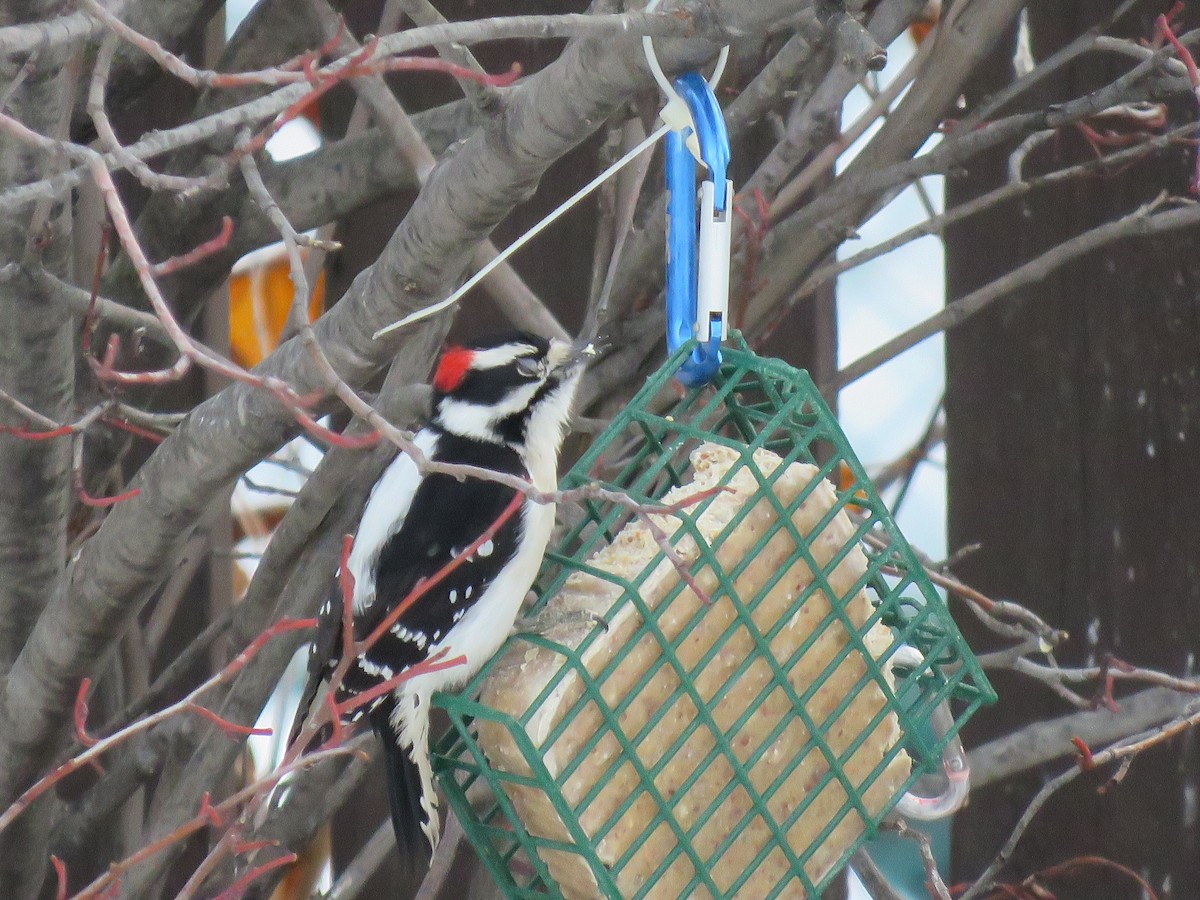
x=687, y=317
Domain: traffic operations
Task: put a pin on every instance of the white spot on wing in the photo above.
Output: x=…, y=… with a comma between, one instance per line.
x=377, y=670
x=486, y=548
x=413, y=637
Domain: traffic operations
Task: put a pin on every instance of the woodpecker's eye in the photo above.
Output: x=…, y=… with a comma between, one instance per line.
x=529, y=366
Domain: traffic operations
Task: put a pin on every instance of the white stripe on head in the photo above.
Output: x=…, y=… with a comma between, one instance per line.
x=496, y=357
x=479, y=420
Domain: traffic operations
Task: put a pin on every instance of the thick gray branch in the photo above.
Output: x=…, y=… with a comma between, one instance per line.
x=1041, y=742
x=312, y=190
x=37, y=367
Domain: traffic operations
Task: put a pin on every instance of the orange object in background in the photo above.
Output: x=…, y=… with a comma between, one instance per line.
x=846, y=480
x=260, y=297
x=924, y=23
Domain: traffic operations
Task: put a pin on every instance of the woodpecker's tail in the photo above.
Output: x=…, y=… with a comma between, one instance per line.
x=405, y=793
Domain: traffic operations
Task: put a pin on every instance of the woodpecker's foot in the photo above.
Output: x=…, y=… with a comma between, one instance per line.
x=546, y=621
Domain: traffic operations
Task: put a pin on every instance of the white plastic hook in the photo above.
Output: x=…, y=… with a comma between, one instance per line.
x=956, y=771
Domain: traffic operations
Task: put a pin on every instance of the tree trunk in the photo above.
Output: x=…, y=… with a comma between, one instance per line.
x=1072, y=413
x=37, y=359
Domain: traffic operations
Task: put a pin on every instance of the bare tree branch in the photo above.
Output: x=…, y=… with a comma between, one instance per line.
x=277, y=101
x=961, y=42
x=1143, y=222
x=1046, y=741
x=37, y=365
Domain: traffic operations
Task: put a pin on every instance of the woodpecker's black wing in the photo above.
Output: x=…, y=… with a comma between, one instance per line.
x=446, y=516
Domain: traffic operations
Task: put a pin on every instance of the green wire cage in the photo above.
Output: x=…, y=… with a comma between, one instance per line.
x=693, y=736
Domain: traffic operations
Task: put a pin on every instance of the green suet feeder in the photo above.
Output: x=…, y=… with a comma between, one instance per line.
x=737, y=732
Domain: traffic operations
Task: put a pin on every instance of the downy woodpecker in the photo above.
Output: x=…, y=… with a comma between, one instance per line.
x=502, y=405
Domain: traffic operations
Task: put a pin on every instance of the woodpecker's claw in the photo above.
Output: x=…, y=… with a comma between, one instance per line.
x=545, y=622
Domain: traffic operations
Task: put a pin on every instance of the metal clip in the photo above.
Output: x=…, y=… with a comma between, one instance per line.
x=956, y=772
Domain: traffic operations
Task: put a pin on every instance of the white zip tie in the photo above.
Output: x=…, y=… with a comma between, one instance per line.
x=524, y=239
x=675, y=113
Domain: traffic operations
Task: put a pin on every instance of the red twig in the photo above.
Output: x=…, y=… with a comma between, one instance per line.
x=240, y=848
x=300, y=68
x=336, y=438
x=193, y=256
x=1086, y=759
x=238, y=888
x=347, y=585
x=435, y=64
x=105, y=368
x=81, y=714
x=338, y=731
x=131, y=428
x=345, y=576
x=754, y=231
x=232, y=729
x=1033, y=889
x=27, y=435
x=296, y=404
x=77, y=474
x=321, y=52
x=678, y=562
x=1071, y=866
x=1163, y=24
x=209, y=812
x=60, y=872
x=102, y=502
x=89, y=319
x=361, y=65
x=1163, y=27
x=105, y=883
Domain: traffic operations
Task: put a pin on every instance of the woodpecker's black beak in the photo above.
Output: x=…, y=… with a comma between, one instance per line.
x=586, y=353
x=579, y=357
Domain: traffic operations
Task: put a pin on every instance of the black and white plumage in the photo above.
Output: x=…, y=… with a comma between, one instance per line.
x=501, y=405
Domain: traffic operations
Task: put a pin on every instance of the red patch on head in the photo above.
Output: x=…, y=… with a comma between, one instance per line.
x=452, y=368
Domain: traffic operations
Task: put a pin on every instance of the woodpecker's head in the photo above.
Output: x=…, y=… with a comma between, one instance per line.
x=514, y=389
